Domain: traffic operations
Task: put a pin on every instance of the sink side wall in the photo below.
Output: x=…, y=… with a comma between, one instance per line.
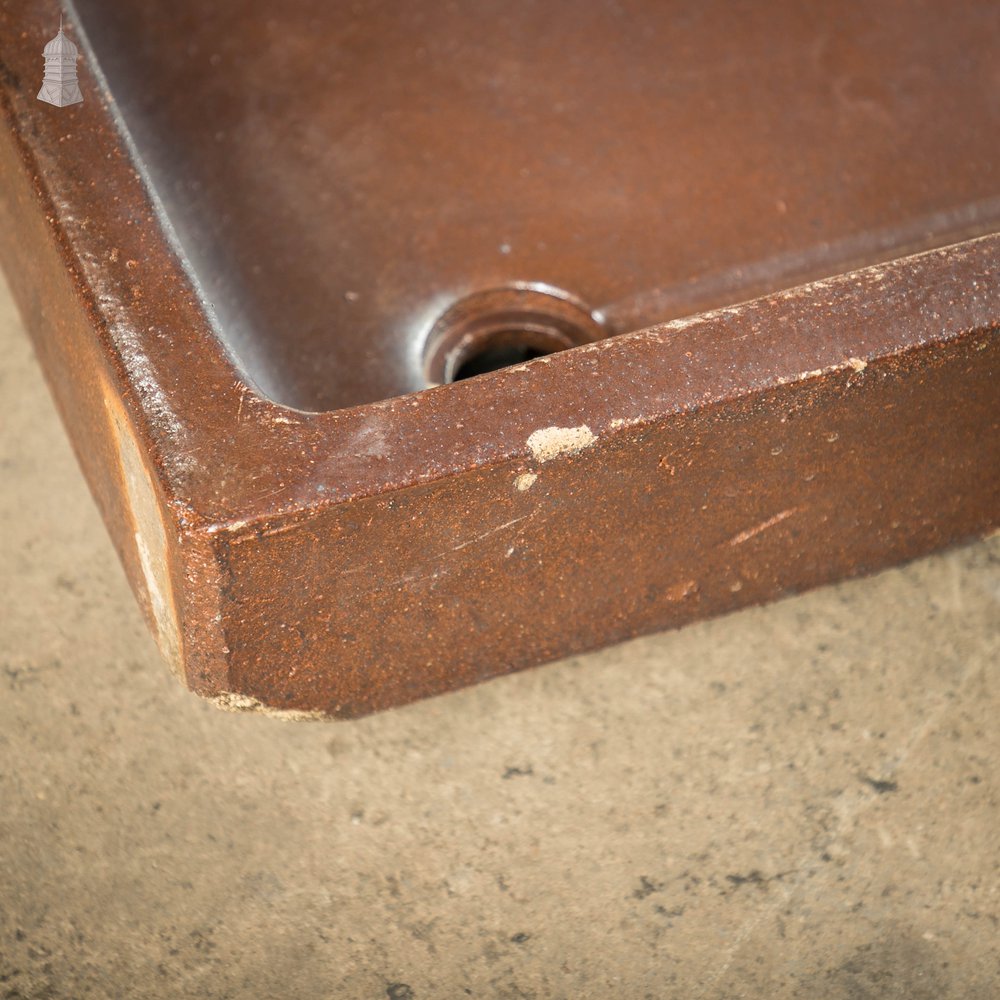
x=387, y=599
x=101, y=420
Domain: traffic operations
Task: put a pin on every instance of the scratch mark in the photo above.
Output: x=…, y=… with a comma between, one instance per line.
x=745, y=536
x=486, y=534
x=264, y=532
x=273, y=493
x=280, y=530
x=411, y=578
x=512, y=548
x=416, y=576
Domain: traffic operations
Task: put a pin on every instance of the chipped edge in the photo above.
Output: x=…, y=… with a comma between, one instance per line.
x=230, y=701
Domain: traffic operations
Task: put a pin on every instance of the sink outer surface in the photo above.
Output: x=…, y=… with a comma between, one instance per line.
x=339, y=562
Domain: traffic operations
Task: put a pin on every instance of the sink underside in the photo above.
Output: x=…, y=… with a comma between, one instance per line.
x=264, y=234
x=338, y=174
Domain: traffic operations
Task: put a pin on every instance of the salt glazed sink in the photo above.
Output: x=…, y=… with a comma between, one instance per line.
x=405, y=345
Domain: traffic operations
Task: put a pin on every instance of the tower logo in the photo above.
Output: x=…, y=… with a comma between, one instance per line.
x=60, y=86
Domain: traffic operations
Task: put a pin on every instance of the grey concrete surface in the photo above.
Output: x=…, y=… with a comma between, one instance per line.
x=795, y=801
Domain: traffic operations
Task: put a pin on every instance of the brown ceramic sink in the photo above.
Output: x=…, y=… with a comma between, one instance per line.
x=408, y=344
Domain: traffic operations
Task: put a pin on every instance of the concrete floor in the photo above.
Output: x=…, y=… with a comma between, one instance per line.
x=795, y=801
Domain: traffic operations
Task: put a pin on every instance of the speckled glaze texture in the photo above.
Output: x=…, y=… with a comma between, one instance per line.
x=337, y=562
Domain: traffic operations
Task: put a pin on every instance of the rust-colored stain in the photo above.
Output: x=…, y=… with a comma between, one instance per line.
x=736, y=270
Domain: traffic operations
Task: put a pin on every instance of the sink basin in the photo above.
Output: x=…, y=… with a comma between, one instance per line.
x=407, y=345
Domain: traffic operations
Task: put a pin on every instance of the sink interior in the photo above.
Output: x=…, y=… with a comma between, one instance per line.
x=341, y=174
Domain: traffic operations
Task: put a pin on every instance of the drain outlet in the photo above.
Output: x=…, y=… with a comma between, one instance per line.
x=499, y=327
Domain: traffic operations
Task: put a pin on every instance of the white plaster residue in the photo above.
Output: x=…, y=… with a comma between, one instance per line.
x=551, y=442
x=525, y=481
x=229, y=701
x=857, y=364
x=745, y=536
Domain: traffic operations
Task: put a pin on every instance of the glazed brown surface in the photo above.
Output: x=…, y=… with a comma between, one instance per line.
x=340, y=561
x=339, y=174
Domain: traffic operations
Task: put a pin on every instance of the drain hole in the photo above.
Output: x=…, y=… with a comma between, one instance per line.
x=491, y=359
x=493, y=329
